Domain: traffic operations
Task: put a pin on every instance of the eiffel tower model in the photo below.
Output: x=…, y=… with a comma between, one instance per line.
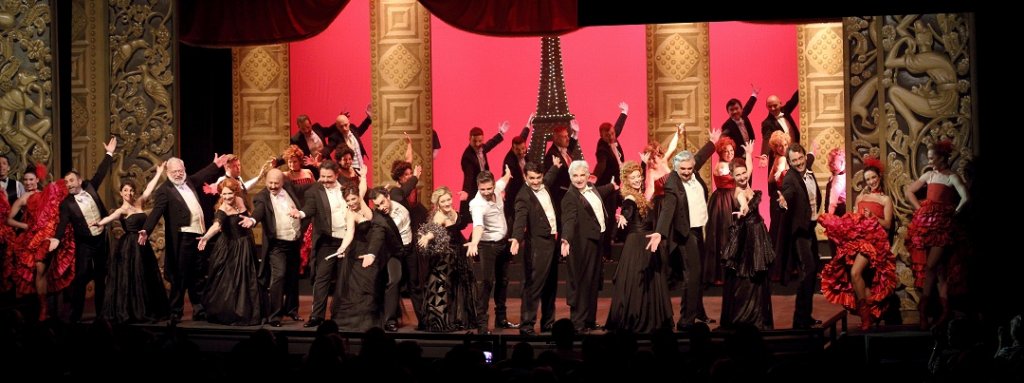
x=552, y=107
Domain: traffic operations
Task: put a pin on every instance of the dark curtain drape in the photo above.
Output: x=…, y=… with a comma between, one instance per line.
x=507, y=17
x=229, y=23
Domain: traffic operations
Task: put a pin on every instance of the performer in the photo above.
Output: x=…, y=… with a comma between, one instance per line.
x=450, y=304
x=359, y=295
x=490, y=242
x=746, y=294
x=584, y=222
x=176, y=202
x=34, y=268
x=301, y=177
x=779, y=118
x=609, y=159
x=233, y=295
x=280, y=259
x=399, y=262
x=311, y=139
x=931, y=231
x=862, y=248
x=800, y=199
x=640, y=295
x=534, y=234
x=835, y=189
x=720, y=210
x=79, y=210
x=135, y=291
x=343, y=135
x=563, y=146
x=13, y=187
x=738, y=126
x=413, y=267
x=474, y=159
x=783, y=267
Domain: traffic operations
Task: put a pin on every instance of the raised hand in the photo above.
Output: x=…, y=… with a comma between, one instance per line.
x=615, y=184
x=210, y=189
x=369, y=110
x=529, y=122
x=755, y=90
x=763, y=162
x=463, y=195
x=557, y=162
x=749, y=146
x=408, y=140
x=681, y=129
x=416, y=171
x=220, y=161
x=623, y=107
x=160, y=169
x=503, y=127
x=111, y=145
x=645, y=157
x=575, y=128
x=714, y=135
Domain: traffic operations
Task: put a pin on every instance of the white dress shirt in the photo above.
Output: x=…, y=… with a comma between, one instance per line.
x=197, y=225
x=549, y=208
x=286, y=228
x=695, y=200
x=338, y=207
x=590, y=194
x=400, y=215
x=490, y=214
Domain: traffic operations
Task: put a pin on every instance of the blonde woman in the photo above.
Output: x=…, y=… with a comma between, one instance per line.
x=449, y=302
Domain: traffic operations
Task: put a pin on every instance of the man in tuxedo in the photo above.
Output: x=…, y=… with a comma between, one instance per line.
x=13, y=187
x=177, y=202
x=80, y=209
x=399, y=264
x=515, y=160
x=325, y=205
x=738, y=125
x=779, y=117
x=684, y=212
x=609, y=159
x=311, y=139
x=342, y=134
x=474, y=159
x=535, y=233
x=584, y=222
x=564, y=146
x=233, y=170
x=385, y=242
x=800, y=199
x=282, y=238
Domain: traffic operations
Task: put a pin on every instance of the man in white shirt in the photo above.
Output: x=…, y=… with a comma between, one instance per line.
x=80, y=209
x=490, y=242
x=399, y=265
x=282, y=238
x=13, y=187
x=535, y=235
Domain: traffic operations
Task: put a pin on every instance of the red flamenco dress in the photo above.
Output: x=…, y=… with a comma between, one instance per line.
x=41, y=214
x=853, y=234
x=932, y=225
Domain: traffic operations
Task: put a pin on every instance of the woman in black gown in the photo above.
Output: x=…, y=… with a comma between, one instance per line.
x=449, y=303
x=232, y=294
x=359, y=291
x=135, y=291
x=747, y=257
x=640, y=296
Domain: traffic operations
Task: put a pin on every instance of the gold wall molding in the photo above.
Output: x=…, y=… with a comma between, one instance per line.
x=260, y=107
x=142, y=107
x=89, y=86
x=401, y=88
x=27, y=84
x=910, y=83
x=678, y=83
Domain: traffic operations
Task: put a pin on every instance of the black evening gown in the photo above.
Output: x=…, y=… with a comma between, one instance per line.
x=358, y=292
x=135, y=291
x=747, y=258
x=233, y=293
x=449, y=303
x=640, y=295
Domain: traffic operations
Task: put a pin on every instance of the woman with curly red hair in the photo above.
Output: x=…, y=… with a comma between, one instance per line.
x=930, y=231
x=720, y=208
x=862, y=245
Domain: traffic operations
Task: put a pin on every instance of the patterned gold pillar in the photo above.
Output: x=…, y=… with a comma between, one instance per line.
x=89, y=86
x=260, y=106
x=909, y=84
x=141, y=91
x=678, y=83
x=26, y=85
x=401, y=87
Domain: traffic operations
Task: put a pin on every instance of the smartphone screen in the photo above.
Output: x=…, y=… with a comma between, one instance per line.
x=488, y=357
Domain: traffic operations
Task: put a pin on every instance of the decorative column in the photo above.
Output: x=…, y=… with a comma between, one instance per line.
x=678, y=83
x=401, y=88
x=909, y=85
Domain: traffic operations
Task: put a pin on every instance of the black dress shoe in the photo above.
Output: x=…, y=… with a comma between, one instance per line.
x=527, y=331
x=175, y=319
x=505, y=324
x=595, y=326
x=390, y=327
x=275, y=323
x=313, y=322
x=295, y=317
x=707, y=321
x=199, y=316
x=545, y=328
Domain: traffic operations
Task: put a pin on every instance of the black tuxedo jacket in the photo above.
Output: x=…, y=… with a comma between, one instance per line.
x=675, y=207
x=336, y=140
x=71, y=213
x=730, y=129
x=798, y=214
x=579, y=220
x=384, y=239
x=562, y=182
x=516, y=182
x=299, y=140
x=771, y=124
x=318, y=208
x=168, y=204
x=607, y=166
x=471, y=167
x=530, y=220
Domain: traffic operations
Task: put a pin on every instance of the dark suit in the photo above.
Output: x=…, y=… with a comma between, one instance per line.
x=90, y=251
x=606, y=168
x=299, y=140
x=384, y=242
x=581, y=229
x=279, y=268
x=538, y=249
x=562, y=182
x=517, y=181
x=732, y=131
x=336, y=140
x=413, y=268
x=771, y=124
x=798, y=232
x=184, y=267
x=471, y=167
x=317, y=208
x=683, y=245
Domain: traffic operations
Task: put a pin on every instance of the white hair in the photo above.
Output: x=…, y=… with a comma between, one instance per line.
x=576, y=165
x=682, y=156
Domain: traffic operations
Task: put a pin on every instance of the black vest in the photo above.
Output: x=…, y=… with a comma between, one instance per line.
x=12, y=191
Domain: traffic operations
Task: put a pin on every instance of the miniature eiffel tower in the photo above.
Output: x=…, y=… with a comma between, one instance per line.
x=552, y=106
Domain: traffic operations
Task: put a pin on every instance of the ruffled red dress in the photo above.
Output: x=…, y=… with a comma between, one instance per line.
x=42, y=212
x=853, y=234
x=932, y=225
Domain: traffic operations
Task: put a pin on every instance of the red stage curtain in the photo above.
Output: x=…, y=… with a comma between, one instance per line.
x=228, y=23
x=507, y=17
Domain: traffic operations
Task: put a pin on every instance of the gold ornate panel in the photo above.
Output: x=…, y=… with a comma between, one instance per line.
x=142, y=90
x=89, y=104
x=678, y=82
x=401, y=87
x=260, y=105
x=909, y=84
x=27, y=84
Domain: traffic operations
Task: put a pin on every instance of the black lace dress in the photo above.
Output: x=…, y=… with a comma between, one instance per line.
x=135, y=291
x=233, y=293
x=747, y=258
x=449, y=296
